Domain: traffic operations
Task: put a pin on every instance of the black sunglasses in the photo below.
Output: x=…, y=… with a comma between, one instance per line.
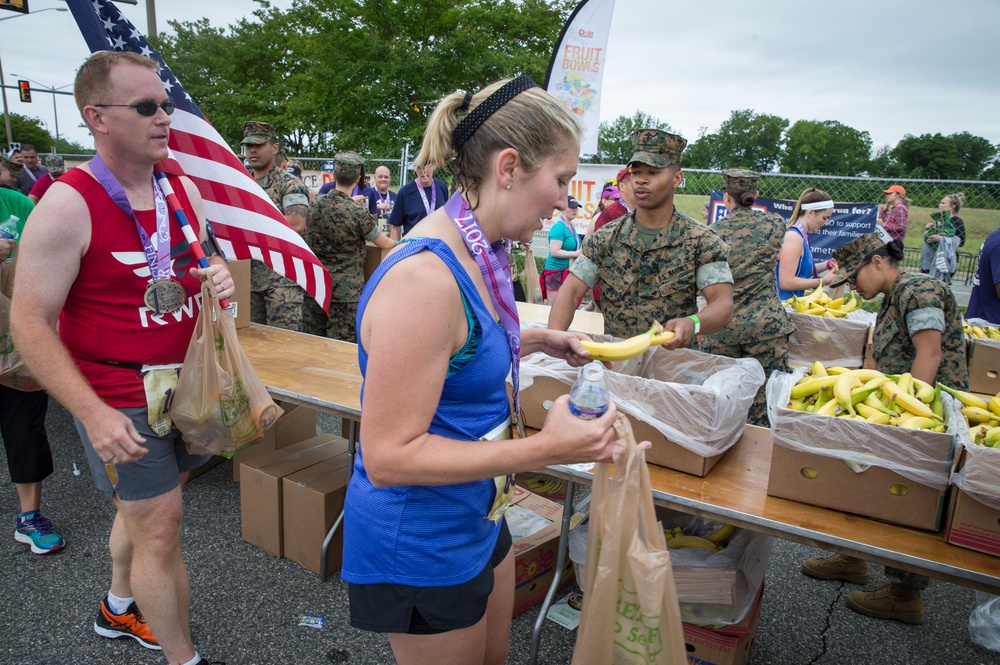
x=146, y=108
x=854, y=277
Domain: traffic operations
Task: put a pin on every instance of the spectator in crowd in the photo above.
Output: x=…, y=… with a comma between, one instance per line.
x=32, y=170
x=615, y=210
x=9, y=173
x=796, y=270
x=85, y=224
x=281, y=160
x=56, y=166
x=361, y=190
x=705, y=211
x=984, y=301
x=381, y=199
x=416, y=199
x=564, y=244
x=427, y=550
x=652, y=263
x=337, y=231
x=895, y=214
x=939, y=253
x=760, y=326
x=951, y=203
x=609, y=195
x=14, y=155
x=275, y=300
x=918, y=330
x=22, y=413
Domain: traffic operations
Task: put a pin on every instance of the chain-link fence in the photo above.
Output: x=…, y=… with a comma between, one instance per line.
x=396, y=166
x=921, y=193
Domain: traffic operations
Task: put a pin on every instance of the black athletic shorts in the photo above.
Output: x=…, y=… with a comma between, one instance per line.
x=398, y=608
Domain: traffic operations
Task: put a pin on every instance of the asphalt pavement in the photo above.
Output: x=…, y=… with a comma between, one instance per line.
x=246, y=604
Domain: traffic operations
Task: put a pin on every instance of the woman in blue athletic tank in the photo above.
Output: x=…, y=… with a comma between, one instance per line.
x=795, y=271
x=427, y=553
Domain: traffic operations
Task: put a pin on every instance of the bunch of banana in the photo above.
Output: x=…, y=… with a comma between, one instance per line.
x=982, y=417
x=989, y=332
x=713, y=542
x=818, y=303
x=869, y=395
x=627, y=348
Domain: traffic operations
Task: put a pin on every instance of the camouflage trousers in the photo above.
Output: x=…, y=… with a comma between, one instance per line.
x=340, y=323
x=279, y=306
x=772, y=354
x=907, y=579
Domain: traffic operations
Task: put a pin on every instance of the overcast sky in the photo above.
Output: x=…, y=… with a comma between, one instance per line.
x=888, y=67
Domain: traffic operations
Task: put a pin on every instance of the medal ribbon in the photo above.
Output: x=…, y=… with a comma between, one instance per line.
x=492, y=262
x=159, y=258
x=432, y=206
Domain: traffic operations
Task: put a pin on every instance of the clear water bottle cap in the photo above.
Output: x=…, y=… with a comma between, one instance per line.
x=592, y=371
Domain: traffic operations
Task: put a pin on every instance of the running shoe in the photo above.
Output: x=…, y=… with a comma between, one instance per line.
x=129, y=623
x=35, y=529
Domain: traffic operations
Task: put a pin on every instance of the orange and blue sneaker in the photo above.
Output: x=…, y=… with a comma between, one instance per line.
x=35, y=529
x=129, y=623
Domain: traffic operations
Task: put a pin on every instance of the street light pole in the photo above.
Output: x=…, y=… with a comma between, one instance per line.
x=53, y=91
x=6, y=113
x=150, y=18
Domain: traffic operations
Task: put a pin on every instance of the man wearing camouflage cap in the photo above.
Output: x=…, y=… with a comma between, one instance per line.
x=760, y=326
x=652, y=263
x=337, y=230
x=274, y=299
x=9, y=172
x=56, y=167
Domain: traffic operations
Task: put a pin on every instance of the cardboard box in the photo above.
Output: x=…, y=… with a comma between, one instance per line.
x=729, y=645
x=373, y=257
x=984, y=365
x=297, y=423
x=700, y=400
x=831, y=341
x=875, y=492
x=973, y=524
x=240, y=302
x=260, y=489
x=535, y=548
x=311, y=501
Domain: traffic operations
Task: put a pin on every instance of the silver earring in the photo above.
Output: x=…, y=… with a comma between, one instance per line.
x=508, y=185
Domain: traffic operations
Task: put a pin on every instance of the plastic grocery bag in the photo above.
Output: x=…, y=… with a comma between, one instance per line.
x=220, y=404
x=630, y=610
x=984, y=622
x=532, y=292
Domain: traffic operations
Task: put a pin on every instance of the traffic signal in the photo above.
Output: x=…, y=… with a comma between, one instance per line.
x=25, y=89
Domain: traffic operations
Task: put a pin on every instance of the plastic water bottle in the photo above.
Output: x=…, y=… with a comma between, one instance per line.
x=589, y=397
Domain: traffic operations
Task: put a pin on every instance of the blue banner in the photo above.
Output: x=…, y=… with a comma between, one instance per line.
x=849, y=220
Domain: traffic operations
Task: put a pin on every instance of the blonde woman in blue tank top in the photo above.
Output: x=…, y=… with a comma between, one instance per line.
x=427, y=553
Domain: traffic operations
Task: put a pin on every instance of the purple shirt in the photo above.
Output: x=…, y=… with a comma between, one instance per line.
x=983, y=301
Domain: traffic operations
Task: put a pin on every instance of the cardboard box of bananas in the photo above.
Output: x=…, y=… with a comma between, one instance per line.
x=981, y=416
x=865, y=418
x=981, y=331
x=718, y=568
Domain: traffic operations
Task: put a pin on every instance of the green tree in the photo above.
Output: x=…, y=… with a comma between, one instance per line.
x=348, y=74
x=884, y=165
x=826, y=148
x=30, y=130
x=698, y=154
x=746, y=139
x=613, y=138
x=960, y=156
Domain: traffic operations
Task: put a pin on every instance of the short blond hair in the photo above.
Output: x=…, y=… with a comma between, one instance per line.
x=93, y=79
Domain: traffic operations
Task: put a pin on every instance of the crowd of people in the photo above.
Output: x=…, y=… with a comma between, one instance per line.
x=427, y=552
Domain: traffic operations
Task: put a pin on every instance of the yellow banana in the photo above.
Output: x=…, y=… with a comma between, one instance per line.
x=624, y=349
x=814, y=295
x=851, y=304
x=905, y=382
x=906, y=401
x=836, y=313
x=797, y=405
x=937, y=405
x=834, y=371
x=966, y=398
x=835, y=304
x=811, y=386
x=879, y=418
x=822, y=397
x=868, y=412
x=661, y=337
x=919, y=422
x=866, y=375
x=818, y=370
x=873, y=402
x=991, y=437
x=976, y=415
x=692, y=541
x=798, y=304
x=830, y=408
x=842, y=390
x=978, y=332
x=995, y=404
x=816, y=310
x=721, y=535
x=977, y=432
x=924, y=391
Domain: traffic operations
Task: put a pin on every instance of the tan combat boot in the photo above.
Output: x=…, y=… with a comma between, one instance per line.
x=893, y=601
x=837, y=567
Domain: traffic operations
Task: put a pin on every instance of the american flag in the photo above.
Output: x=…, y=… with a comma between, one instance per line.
x=245, y=220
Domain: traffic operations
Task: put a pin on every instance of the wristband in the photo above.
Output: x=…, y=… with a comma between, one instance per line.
x=697, y=323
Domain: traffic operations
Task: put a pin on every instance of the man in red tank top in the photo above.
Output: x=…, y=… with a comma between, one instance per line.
x=106, y=260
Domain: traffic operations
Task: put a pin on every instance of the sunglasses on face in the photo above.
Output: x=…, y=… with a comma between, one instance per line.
x=854, y=278
x=145, y=108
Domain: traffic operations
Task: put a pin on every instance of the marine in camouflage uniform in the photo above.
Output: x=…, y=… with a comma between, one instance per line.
x=275, y=300
x=647, y=274
x=760, y=326
x=337, y=230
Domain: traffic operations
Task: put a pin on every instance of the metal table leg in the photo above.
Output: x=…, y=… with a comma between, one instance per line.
x=352, y=442
x=536, y=636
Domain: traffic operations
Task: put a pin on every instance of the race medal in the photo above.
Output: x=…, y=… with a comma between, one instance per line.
x=164, y=296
